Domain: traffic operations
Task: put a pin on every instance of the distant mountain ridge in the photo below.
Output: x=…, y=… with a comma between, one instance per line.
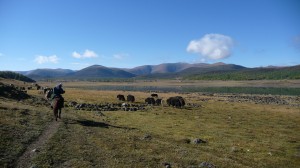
x=46, y=73
x=98, y=71
x=212, y=68
x=163, y=68
x=16, y=76
x=262, y=73
x=167, y=70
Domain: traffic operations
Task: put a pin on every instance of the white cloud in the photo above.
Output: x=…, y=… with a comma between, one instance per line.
x=120, y=56
x=296, y=42
x=86, y=54
x=212, y=46
x=79, y=63
x=40, y=59
x=76, y=54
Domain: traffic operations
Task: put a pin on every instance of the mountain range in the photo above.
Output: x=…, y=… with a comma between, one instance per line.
x=166, y=70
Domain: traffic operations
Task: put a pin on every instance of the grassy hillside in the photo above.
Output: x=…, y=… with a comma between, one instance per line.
x=48, y=73
x=98, y=71
x=164, y=68
x=22, y=120
x=194, y=71
x=249, y=74
x=16, y=76
x=217, y=71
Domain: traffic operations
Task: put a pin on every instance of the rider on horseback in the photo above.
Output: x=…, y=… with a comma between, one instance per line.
x=57, y=91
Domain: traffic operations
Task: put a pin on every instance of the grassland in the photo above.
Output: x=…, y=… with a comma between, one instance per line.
x=274, y=87
x=21, y=123
x=236, y=134
x=174, y=83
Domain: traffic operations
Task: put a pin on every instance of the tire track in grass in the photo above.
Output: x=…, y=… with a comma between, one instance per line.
x=25, y=160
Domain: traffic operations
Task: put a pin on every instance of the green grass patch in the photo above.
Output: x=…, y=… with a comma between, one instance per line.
x=245, y=90
x=237, y=135
x=21, y=124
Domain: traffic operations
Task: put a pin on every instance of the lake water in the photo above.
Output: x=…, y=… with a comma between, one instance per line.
x=246, y=90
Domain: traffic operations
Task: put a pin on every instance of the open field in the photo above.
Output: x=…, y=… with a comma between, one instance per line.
x=274, y=87
x=203, y=83
x=236, y=133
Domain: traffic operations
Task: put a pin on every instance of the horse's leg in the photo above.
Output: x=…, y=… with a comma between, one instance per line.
x=59, y=113
x=55, y=114
x=55, y=109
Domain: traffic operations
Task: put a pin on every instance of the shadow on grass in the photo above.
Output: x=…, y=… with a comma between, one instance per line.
x=90, y=123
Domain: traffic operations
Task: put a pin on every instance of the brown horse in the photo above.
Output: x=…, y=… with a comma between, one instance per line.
x=57, y=106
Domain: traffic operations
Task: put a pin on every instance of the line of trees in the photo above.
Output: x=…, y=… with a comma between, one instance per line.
x=257, y=74
x=16, y=76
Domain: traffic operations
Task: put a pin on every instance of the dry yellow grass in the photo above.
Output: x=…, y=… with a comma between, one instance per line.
x=209, y=83
x=237, y=134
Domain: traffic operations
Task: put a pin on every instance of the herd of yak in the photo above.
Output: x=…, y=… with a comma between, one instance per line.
x=176, y=101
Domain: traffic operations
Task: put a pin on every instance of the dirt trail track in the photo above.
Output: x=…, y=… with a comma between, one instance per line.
x=25, y=160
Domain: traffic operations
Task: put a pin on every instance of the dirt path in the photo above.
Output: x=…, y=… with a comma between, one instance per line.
x=25, y=160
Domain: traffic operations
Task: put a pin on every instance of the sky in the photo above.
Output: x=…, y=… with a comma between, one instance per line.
x=74, y=34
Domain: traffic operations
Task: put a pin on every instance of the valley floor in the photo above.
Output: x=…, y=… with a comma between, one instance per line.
x=209, y=130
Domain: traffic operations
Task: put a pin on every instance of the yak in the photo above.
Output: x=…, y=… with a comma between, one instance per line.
x=176, y=101
x=121, y=97
x=150, y=101
x=154, y=95
x=130, y=98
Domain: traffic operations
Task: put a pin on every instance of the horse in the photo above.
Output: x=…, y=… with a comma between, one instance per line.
x=48, y=94
x=57, y=106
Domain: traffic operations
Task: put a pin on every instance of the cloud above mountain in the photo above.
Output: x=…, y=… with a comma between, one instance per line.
x=120, y=56
x=41, y=59
x=212, y=46
x=86, y=54
x=296, y=42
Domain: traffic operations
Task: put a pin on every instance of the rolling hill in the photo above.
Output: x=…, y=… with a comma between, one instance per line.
x=196, y=70
x=268, y=73
x=211, y=68
x=46, y=73
x=98, y=71
x=16, y=76
x=163, y=68
x=201, y=71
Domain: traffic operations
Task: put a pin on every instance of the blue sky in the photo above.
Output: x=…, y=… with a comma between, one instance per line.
x=74, y=34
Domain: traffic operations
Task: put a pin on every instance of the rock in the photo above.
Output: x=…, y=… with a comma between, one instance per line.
x=72, y=104
x=207, y=164
x=146, y=137
x=33, y=166
x=198, y=141
x=35, y=150
x=167, y=165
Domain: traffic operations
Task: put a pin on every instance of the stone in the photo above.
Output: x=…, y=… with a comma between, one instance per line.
x=207, y=164
x=167, y=165
x=198, y=141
